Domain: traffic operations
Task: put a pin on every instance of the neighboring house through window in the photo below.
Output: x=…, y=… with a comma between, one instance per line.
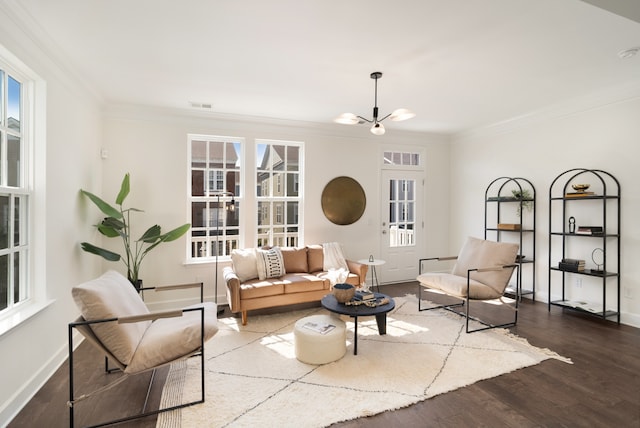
x=217, y=171
x=215, y=183
x=278, y=177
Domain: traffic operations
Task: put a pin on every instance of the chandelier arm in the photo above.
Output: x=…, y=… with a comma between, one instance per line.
x=380, y=120
x=366, y=120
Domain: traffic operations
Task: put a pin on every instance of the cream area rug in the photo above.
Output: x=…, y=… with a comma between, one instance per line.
x=254, y=379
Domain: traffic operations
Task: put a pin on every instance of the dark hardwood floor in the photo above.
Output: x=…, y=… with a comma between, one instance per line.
x=600, y=389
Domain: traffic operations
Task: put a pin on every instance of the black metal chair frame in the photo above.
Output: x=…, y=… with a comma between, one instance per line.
x=152, y=316
x=466, y=301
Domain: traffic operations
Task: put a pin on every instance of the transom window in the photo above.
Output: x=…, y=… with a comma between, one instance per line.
x=401, y=158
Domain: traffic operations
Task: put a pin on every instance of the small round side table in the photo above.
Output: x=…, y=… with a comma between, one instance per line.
x=372, y=263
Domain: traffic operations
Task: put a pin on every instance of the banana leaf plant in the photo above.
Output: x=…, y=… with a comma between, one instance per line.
x=118, y=224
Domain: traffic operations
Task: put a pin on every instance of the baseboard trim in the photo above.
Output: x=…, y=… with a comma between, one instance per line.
x=20, y=398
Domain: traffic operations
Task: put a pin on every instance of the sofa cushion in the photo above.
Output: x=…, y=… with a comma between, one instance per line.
x=295, y=259
x=302, y=282
x=257, y=288
x=315, y=258
x=478, y=253
x=112, y=296
x=245, y=263
x=270, y=263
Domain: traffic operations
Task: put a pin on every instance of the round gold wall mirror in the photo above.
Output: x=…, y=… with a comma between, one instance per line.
x=343, y=200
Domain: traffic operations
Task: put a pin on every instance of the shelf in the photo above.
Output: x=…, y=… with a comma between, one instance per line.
x=495, y=229
x=507, y=199
x=604, y=214
x=587, y=272
x=585, y=307
x=509, y=207
x=582, y=198
x=608, y=235
x=511, y=292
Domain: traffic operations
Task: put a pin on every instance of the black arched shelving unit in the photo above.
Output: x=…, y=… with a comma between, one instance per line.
x=510, y=216
x=581, y=222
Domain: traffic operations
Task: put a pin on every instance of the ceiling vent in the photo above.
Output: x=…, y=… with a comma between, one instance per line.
x=200, y=105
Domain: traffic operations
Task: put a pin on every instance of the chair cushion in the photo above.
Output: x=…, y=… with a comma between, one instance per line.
x=295, y=259
x=455, y=285
x=270, y=263
x=245, y=264
x=479, y=253
x=112, y=296
x=169, y=339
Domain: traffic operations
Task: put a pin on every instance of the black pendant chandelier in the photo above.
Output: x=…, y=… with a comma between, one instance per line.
x=377, y=127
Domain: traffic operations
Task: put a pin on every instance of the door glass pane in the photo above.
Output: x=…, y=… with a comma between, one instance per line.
x=401, y=213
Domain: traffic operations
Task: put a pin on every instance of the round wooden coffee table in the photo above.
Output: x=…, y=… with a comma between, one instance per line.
x=330, y=303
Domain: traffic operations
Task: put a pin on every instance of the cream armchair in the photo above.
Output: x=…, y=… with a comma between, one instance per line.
x=115, y=320
x=482, y=272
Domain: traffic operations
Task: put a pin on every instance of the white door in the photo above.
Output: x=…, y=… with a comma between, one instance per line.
x=402, y=228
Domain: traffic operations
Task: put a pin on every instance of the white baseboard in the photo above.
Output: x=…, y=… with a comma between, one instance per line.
x=20, y=398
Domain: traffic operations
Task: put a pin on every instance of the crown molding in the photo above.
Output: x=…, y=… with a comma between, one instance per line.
x=31, y=38
x=577, y=105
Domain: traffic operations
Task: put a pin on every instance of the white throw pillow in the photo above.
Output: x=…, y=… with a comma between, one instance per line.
x=333, y=257
x=245, y=264
x=270, y=263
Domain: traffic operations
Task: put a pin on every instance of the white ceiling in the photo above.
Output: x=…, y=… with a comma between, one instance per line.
x=458, y=64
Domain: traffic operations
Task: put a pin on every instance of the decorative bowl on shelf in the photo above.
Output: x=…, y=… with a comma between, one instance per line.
x=580, y=187
x=344, y=292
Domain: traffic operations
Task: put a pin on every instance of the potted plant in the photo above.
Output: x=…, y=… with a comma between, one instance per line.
x=523, y=195
x=118, y=224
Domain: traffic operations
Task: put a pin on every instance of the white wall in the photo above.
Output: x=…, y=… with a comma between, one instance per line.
x=603, y=138
x=32, y=351
x=152, y=146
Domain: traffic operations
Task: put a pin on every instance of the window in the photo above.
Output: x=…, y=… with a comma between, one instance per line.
x=14, y=192
x=402, y=213
x=215, y=195
x=278, y=181
x=401, y=158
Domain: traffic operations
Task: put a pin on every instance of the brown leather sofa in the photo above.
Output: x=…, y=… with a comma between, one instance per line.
x=305, y=280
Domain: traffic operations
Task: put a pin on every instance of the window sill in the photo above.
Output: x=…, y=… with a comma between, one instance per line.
x=207, y=261
x=19, y=315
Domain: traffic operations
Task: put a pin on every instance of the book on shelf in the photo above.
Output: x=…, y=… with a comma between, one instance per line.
x=571, y=265
x=573, y=261
x=508, y=226
x=593, y=308
x=364, y=295
x=589, y=230
x=319, y=327
x=568, y=267
x=578, y=194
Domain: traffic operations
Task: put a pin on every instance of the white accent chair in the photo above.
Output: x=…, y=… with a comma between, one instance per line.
x=116, y=320
x=482, y=272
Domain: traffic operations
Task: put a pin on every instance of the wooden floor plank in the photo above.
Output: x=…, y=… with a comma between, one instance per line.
x=601, y=388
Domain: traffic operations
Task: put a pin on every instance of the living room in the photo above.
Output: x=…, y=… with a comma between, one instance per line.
x=91, y=143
